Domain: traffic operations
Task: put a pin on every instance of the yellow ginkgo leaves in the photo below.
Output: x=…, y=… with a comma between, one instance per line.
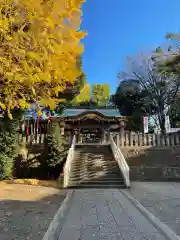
x=40, y=44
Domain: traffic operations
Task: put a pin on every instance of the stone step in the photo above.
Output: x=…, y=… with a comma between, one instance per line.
x=97, y=182
x=85, y=170
x=79, y=181
x=94, y=156
x=96, y=179
x=112, y=174
x=90, y=158
x=97, y=163
x=97, y=173
x=93, y=171
x=104, y=178
x=109, y=175
x=84, y=178
x=105, y=164
x=96, y=168
x=96, y=186
x=83, y=165
x=94, y=160
x=94, y=151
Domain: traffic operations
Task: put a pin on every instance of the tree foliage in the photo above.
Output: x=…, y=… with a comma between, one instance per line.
x=55, y=147
x=73, y=90
x=159, y=87
x=83, y=97
x=131, y=103
x=100, y=94
x=168, y=60
x=174, y=112
x=40, y=44
x=8, y=146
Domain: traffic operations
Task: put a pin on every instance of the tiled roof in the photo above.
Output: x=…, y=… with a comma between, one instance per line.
x=106, y=112
x=32, y=113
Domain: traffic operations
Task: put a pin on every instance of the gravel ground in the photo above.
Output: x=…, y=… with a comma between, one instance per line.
x=161, y=199
x=26, y=211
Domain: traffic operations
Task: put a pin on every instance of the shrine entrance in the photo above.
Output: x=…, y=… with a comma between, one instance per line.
x=89, y=130
x=88, y=135
x=91, y=126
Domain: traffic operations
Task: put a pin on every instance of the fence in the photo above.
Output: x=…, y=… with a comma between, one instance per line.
x=32, y=138
x=132, y=139
x=32, y=134
x=35, y=138
x=128, y=139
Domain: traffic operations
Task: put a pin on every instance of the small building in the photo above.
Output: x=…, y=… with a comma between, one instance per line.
x=89, y=123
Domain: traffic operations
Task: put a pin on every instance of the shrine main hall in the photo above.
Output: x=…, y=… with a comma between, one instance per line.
x=91, y=124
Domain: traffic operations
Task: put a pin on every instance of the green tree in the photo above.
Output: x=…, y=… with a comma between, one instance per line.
x=73, y=90
x=159, y=87
x=8, y=146
x=101, y=94
x=174, y=113
x=131, y=103
x=55, y=149
x=40, y=49
x=168, y=60
x=83, y=97
x=40, y=44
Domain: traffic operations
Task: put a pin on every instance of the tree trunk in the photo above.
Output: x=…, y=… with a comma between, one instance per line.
x=161, y=118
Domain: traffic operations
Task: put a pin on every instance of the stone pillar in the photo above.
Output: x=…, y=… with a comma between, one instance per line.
x=122, y=137
x=118, y=140
x=62, y=125
x=122, y=127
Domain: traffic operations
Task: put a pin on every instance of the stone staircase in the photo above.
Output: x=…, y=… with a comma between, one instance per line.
x=95, y=166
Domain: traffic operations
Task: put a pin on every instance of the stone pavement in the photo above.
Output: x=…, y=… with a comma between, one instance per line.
x=105, y=214
x=162, y=199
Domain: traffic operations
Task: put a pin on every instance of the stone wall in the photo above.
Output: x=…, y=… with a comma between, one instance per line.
x=153, y=164
x=154, y=173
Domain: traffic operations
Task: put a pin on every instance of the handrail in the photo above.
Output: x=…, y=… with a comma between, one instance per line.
x=68, y=164
x=121, y=161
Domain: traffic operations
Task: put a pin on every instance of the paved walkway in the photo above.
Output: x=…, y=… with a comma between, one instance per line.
x=162, y=199
x=97, y=214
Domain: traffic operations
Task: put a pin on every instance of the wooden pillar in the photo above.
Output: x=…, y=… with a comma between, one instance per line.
x=78, y=137
x=108, y=134
x=103, y=136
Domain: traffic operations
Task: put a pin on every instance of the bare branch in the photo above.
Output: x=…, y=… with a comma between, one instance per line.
x=161, y=88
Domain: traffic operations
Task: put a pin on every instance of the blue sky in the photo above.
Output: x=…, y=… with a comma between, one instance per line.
x=120, y=28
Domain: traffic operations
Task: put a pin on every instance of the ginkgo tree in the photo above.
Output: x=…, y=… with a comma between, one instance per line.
x=40, y=45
